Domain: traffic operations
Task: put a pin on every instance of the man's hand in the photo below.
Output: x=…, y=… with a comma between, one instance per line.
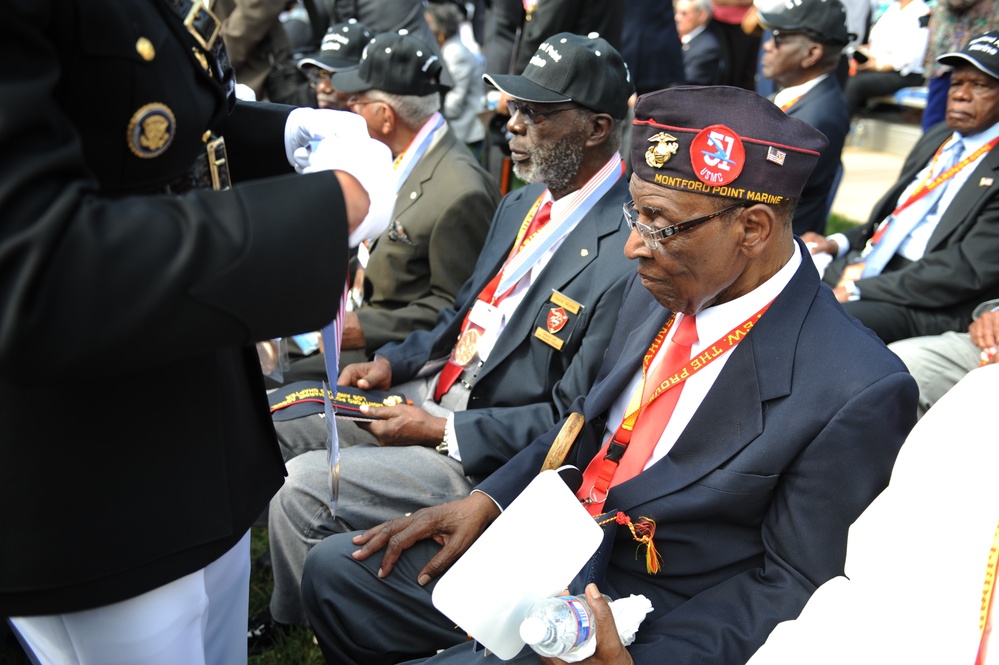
x=984, y=333
x=373, y=375
x=610, y=650
x=818, y=244
x=403, y=425
x=353, y=335
x=841, y=294
x=455, y=526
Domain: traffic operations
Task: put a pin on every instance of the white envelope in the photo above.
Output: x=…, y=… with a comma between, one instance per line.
x=532, y=551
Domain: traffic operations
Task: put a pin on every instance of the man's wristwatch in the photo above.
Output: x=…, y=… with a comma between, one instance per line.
x=852, y=291
x=444, y=447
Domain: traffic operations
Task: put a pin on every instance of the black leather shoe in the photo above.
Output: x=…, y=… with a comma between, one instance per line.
x=263, y=632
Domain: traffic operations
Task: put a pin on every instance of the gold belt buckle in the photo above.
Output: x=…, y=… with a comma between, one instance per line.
x=203, y=24
x=218, y=164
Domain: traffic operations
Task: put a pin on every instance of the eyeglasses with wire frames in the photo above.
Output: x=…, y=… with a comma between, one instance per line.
x=651, y=235
x=317, y=75
x=356, y=100
x=532, y=116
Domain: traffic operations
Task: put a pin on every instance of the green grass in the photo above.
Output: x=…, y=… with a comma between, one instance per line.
x=838, y=224
x=296, y=647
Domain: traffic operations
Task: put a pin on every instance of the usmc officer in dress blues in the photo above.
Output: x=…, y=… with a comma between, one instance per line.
x=146, y=223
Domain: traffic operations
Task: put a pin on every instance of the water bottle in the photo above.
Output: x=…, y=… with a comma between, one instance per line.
x=554, y=627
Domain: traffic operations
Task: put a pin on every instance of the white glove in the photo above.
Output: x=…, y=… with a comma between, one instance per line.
x=369, y=161
x=245, y=93
x=305, y=125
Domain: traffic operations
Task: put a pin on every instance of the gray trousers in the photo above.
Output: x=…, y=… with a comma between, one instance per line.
x=937, y=362
x=376, y=484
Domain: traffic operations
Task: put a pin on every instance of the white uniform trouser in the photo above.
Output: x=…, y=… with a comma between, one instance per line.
x=199, y=619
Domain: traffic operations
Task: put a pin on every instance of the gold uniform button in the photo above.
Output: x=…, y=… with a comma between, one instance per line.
x=200, y=57
x=145, y=49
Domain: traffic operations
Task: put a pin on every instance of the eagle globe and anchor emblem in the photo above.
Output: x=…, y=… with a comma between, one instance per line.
x=665, y=147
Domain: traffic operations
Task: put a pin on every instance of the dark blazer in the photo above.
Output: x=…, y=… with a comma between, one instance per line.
x=137, y=445
x=441, y=217
x=512, y=400
x=511, y=40
x=824, y=108
x=753, y=502
x=704, y=59
x=651, y=46
x=961, y=265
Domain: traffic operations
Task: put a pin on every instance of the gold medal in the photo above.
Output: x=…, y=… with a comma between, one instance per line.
x=466, y=347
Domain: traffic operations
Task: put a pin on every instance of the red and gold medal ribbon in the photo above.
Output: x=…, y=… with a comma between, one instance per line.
x=455, y=365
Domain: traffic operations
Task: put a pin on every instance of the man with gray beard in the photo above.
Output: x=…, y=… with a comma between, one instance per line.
x=523, y=340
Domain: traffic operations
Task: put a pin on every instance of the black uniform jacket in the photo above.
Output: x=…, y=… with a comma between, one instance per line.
x=135, y=441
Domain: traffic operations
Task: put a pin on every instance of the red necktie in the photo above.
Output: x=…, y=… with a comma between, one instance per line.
x=452, y=370
x=601, y=474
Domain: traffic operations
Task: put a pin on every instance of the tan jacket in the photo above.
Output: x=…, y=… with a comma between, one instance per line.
x=254, y=38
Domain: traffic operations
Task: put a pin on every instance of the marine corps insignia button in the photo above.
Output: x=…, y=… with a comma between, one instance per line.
x=151, y=130
x=557, y=318
x=665, y=147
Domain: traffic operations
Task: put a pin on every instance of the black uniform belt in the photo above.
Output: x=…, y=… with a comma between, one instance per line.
x=209, y=171
x=205, y=28
x=199, y=21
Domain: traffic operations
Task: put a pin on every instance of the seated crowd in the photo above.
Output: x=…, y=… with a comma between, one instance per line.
x=652, y=274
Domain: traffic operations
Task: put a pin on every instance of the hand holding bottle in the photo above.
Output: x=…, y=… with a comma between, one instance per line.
x=610, y=650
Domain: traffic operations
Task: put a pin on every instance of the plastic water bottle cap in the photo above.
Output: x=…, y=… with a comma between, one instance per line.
x=532, y=630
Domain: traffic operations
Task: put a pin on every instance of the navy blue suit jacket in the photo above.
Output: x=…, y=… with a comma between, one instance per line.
x=753, y=502
x=824, y=108
x=704, y=59
x=512, y=400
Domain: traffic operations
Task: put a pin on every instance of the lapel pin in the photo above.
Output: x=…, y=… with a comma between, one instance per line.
x=985, y=182
x=584, y=252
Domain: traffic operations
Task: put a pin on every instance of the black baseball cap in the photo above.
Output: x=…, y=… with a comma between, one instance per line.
x=982, y=52
x=400, y=64
x=572, y=68
x=341, y=47
x=823, y=21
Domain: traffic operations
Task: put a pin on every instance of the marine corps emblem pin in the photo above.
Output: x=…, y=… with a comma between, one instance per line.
x=665, y=147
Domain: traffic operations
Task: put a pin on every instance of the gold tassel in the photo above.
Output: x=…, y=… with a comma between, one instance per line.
x=643, y=532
